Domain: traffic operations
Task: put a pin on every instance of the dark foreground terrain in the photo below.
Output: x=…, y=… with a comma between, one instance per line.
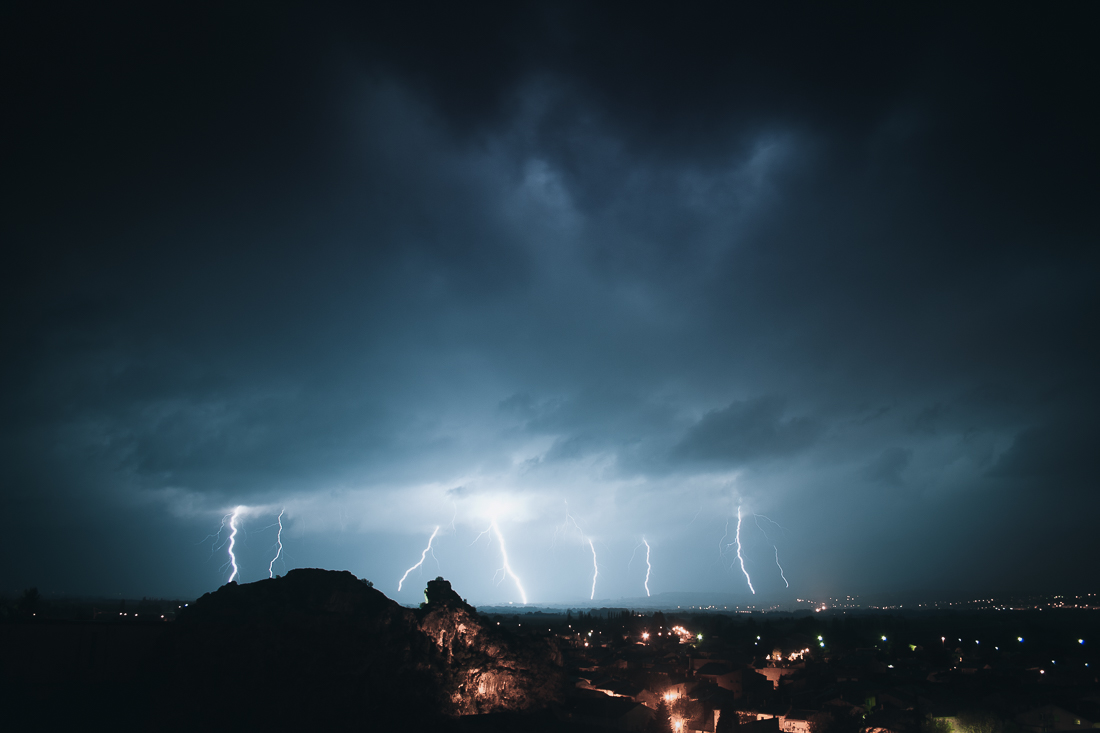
x=324, y=650
x=314, y=650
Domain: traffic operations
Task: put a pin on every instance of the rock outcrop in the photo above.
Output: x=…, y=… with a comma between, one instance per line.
x=485, y=669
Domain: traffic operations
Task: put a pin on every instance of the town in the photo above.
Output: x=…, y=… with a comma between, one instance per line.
x=833, y=671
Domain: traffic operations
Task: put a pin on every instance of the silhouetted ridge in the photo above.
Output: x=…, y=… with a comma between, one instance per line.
x=323, y=649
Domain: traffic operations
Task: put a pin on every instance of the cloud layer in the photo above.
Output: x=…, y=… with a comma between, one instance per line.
x=397, y=271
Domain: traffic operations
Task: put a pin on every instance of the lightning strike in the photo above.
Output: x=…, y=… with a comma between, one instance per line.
x=279, y=543
x=423, y=555
x=741, y=559
x=696, y=516
x=595, y=570
x=486, y=531
x=781, y=573
x=233, y=542
x=584, y=538
x=757, y=518
x=568, y=518
x=217, y=544
x=768, y=519
x=504, y=556
x=648, y=567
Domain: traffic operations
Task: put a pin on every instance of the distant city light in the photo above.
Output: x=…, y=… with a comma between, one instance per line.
x=884, y=638
x=1020, y=639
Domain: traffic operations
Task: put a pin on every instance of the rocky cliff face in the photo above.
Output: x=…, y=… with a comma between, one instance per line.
x=321, y=649
x=486, y=670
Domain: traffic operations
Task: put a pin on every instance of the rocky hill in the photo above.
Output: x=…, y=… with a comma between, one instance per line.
x=320, y=649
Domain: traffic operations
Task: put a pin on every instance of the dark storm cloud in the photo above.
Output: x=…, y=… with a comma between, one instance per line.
x=888, y=467
x=746, y=431
x=834, y=263
x=1061, y=457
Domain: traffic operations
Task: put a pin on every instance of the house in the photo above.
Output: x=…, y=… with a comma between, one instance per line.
x=774, y=674
x=763, y=725
x=737, y=681
x=707, y=723
x=620, y=688
x=617, y=713
x=796, y=721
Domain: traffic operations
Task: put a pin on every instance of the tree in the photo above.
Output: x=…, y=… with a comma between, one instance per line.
x=728, y=721
x=685, y=709
x=662, y=720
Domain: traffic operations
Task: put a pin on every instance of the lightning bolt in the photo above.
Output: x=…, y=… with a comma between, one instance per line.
x=486, y=531
x=506, y=568
x=757, y=518
x=568, y=519
x=279, y=542
x=768, y=519
x=781, y=573
x=232, y=542
x=422, y=556
x=216, y=536
x=696, y=516
x=595, y=570
x=739, y=557
x=648, y=567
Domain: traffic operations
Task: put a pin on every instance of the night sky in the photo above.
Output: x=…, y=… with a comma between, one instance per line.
x=388, y=267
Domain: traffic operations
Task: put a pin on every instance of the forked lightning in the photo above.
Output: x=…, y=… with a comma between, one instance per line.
x=423, y=555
